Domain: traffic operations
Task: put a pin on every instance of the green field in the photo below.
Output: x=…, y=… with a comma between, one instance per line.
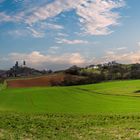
x=110, y=97
x=108, y=110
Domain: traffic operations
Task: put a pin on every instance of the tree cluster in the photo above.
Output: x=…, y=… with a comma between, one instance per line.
x=106, y=72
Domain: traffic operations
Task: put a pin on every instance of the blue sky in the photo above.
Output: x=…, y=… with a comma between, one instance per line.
x=59, y=33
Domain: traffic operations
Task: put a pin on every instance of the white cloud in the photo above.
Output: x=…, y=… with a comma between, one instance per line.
x=139, y=44
x=36, y=58
x=95, y=16
x=19, y=33
x=71, y=42
x=49, y=10
x=6, y=18
x=130, y=57
x=35, y=33
x=110, y=52
x=44, y=26
x=121, y=48
x=16, y=18
x=53, y=49
x=39, y=60
x=54, y=26
x=76, y=59
x=62, y=34
x=26, y=32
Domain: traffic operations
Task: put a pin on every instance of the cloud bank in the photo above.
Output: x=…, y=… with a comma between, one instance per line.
x=39, y=60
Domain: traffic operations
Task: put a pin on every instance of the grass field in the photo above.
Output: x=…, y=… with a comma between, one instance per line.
x=101, y=111
x=112, y=97
x=69, y=127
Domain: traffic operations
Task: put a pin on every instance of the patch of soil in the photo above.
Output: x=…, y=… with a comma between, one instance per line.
x=34, y=82
x=50, y=80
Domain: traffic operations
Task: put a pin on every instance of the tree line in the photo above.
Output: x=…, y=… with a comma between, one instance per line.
x=106, y=72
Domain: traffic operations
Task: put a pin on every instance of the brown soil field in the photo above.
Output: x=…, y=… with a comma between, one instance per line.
x=43, y=81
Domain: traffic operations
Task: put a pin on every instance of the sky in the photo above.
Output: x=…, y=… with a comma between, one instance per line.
x=56, y=34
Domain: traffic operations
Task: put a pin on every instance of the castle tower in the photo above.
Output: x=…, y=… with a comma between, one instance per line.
x=24, y=63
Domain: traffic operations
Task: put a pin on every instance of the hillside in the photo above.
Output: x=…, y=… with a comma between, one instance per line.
x=107, y=97
x=103, y=111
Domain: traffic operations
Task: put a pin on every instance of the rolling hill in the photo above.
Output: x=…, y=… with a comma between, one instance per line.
x=120, y=96
x=103, y=111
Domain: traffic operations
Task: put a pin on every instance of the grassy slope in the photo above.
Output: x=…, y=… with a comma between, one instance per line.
x=77, y=99
x=113, y=108
x=127, y=87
